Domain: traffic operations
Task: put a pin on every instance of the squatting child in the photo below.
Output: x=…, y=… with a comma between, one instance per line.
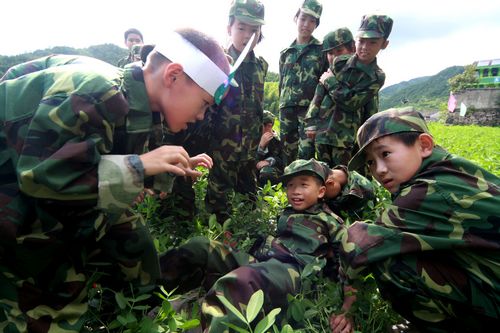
x=269, y=153
x=435, y=251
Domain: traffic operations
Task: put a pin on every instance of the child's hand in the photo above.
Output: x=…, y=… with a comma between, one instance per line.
x=265, y=138
x=325, y=76
x=341, y=323
x=173, y=159
x=199, y=160
x=261, y=164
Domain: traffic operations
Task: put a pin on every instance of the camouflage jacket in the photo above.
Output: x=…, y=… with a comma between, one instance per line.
x=308, y=235
x=350, y=97
x=237, y=121
x=125, y=60
x=72, y=129
x=274, y=152
x=354, y=197
x=299, y=73
x=450, y=206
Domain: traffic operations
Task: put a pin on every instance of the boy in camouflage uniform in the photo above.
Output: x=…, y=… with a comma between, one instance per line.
x=305, y=233
x=338, y=43
x=353, y=87
x=133, y=41
x=300, y=66
x=72, y=160
x=435, y=252
x=269, y=153
x=237, y=124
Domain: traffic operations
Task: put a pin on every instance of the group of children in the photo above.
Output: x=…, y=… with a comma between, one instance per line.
x=79, y=140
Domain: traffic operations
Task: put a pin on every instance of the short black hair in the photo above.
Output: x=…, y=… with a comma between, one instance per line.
x=407, y=138
x=132, y=31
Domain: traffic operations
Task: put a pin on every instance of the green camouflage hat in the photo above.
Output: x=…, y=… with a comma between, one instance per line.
x=312, y=7
x=248, y=11
x=375, y=26
x=385, y=123
x=306, y=166
x=268, y=117
x=337, y=38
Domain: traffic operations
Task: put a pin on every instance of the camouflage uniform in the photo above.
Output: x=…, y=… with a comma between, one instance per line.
x=435, y=252
x=354, y=196
x=271, y=153
x=237, y=123
x=275, y=264
x=133, y=56
x=299, y=69
x=71, y=131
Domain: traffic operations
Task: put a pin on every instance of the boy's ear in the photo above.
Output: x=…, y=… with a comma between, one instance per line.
x=322, y=191
x=426, y=144
x=171, y=72
x=386, y=43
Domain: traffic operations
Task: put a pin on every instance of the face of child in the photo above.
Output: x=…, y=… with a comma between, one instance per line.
x=335, y=52
x=368, y=48
x=266, y=128
x=133, y=39
x=335, y=182
x=241, y=33
x=305, y=25
x=304, y=191
x=185, y=102
x=392, y=163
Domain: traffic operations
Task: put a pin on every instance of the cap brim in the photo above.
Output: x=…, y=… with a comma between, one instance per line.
x=357, y=160
x=369, y=34
x=250, y=20
x=310, y=12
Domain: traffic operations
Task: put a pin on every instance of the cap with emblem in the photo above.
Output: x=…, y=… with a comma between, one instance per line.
x=312, y=167
x=375, y=26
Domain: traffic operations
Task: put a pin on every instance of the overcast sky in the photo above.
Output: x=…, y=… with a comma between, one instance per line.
x=427, y=36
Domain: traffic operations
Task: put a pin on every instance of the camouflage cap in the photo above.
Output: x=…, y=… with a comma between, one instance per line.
x=312, y=7
x=337, y=38
x=268, y=117
x=385, y=123
x=306, y=166
x=375, y=26
x=248, y=11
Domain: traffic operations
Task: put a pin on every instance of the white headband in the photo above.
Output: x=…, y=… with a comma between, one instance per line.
x=194, y=62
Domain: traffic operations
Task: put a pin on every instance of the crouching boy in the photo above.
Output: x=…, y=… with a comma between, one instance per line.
x=435, y=252
x=305, y=233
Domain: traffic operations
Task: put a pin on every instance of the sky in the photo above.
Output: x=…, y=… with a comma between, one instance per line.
x=427, y=37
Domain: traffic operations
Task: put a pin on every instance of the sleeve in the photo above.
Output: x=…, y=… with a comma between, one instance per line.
x=63, y=155
x=313, y=112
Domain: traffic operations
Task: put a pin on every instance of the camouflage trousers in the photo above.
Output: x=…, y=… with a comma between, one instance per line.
x=226, y=177
x=45, y=274
x=454, y=302
x=333, y=156
x=222, y=270
x=293, y=136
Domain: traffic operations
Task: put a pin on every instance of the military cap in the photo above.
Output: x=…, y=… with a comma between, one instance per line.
x=311, y=166
x=248, y=11
x=375, y=26
x=337, y=38
x=268, y=117
x=312, y=7
x=385, y=123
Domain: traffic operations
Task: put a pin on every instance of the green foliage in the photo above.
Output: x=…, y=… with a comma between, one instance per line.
x=466, y=79
x=271, y=97
x=424, y=93
x=272, y=77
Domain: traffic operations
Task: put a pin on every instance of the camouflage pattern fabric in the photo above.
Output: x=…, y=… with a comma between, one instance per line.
x=68, y=140
x=299, y=70
x=312, y=7
x=354, y=197
x=237, y=128
x=375, y=26
x=337, y=38
x=303, y=237
x=248, y=11
x=435, y=252
x=273, y=154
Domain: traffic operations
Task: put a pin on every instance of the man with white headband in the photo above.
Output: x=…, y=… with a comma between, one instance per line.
x=72, y=139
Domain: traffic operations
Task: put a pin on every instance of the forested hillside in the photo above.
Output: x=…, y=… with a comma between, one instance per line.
x=427, y=92
x=110, y=53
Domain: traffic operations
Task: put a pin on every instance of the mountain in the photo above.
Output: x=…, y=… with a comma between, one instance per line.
x=110, y=53
x=428, y=92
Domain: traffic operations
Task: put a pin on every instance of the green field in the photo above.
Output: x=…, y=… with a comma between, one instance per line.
x=478, y=144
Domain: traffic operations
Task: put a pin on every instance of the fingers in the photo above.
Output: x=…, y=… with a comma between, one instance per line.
x=165, y=159
x=341, y=324
x=201, y=160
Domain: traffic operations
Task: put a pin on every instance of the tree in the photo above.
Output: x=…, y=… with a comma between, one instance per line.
x=464, y=80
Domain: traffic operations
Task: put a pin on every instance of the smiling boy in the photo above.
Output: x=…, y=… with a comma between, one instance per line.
x=435, y=252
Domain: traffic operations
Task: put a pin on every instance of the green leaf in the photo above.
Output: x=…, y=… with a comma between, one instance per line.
x=120, y=300
x=236, y=328
x=122, y=320
x=231, y=308
x=172, y=324
x=190, y=324
x=267, y=321
x=142, y=297
x=287, y=329
x=254, y=305
x=130, y=318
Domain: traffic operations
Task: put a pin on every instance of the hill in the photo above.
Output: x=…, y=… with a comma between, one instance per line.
x=110, y=53
x=427, y=92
